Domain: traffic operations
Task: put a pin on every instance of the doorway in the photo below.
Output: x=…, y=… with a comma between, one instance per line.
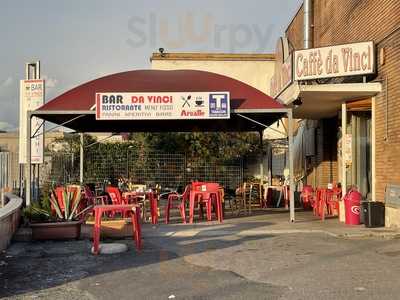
x=359, y=173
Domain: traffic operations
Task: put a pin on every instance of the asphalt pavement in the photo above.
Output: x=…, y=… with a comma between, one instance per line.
x=240, y=259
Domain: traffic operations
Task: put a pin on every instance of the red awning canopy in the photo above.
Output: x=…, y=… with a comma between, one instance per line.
x=251, y=110
x=76, y=106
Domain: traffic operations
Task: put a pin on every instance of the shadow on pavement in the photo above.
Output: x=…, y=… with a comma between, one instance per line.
x=35, y=266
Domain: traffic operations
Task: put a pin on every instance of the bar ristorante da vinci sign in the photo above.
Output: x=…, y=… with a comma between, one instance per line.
x=334, y=61
x=167, y=105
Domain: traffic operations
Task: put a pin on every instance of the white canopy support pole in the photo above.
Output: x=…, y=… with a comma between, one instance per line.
x=269, y=164
x=344, y=167
x=261, y=165
x=344, y=125
x=81, y=159
x=28, y=160
x=291, y=165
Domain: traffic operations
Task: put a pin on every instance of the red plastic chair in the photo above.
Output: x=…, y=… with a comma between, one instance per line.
x=92, y=200
x=333, y=199
x=307, y=196
x=115, y=195
x=325, y=196
x=134, y=198
x=196, y=187
x=181, y=206
x=142, y=198
x=208, y=194
x=315, y=204
x=116, y=198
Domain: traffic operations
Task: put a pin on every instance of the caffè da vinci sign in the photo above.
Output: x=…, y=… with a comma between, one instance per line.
x=334, y=61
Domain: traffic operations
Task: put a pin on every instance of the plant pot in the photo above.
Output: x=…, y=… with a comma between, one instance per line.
x=56, y=230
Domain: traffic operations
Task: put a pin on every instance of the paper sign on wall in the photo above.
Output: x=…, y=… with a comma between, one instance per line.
x=348, y=149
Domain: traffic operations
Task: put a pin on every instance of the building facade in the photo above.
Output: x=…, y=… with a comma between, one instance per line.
x=255, y=70
x=358, y=135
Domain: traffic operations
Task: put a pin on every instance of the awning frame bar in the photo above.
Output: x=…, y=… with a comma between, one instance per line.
x=259, y=123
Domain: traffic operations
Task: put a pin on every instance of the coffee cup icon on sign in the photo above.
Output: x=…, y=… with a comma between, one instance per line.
x=186, y=100
x=199, y=101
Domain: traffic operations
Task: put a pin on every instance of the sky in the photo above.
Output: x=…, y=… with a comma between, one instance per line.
x=77, y=41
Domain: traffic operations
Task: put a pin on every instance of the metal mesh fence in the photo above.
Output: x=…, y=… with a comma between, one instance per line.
x=170, y=170
x=229, y=174
x=165, y=169
x=60, y=168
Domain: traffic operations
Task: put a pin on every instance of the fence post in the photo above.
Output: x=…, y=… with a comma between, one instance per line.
x=81, y=159
x=185, y=169
x=241, y=171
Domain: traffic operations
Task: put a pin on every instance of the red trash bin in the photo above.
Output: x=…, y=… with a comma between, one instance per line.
x=352, y=203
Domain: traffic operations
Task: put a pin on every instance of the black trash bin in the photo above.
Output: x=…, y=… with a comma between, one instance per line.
x=362, y=213
x=374, y=214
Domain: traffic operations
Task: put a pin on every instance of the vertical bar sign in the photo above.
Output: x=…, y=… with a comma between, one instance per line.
x=31, y=98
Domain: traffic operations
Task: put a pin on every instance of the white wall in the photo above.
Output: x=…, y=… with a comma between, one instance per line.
x=255, y=73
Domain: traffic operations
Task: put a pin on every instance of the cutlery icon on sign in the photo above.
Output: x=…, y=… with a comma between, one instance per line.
x=186, y=100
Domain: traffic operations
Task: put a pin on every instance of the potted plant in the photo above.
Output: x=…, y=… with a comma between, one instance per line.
x=59, y=215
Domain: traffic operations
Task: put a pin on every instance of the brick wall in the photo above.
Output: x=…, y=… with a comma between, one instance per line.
x=387, y=144
x=328, y=165
x=294, y=32
x=348, y=21
x=325, y=161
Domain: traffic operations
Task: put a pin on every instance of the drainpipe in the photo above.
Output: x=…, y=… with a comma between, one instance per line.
x=307, y=8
